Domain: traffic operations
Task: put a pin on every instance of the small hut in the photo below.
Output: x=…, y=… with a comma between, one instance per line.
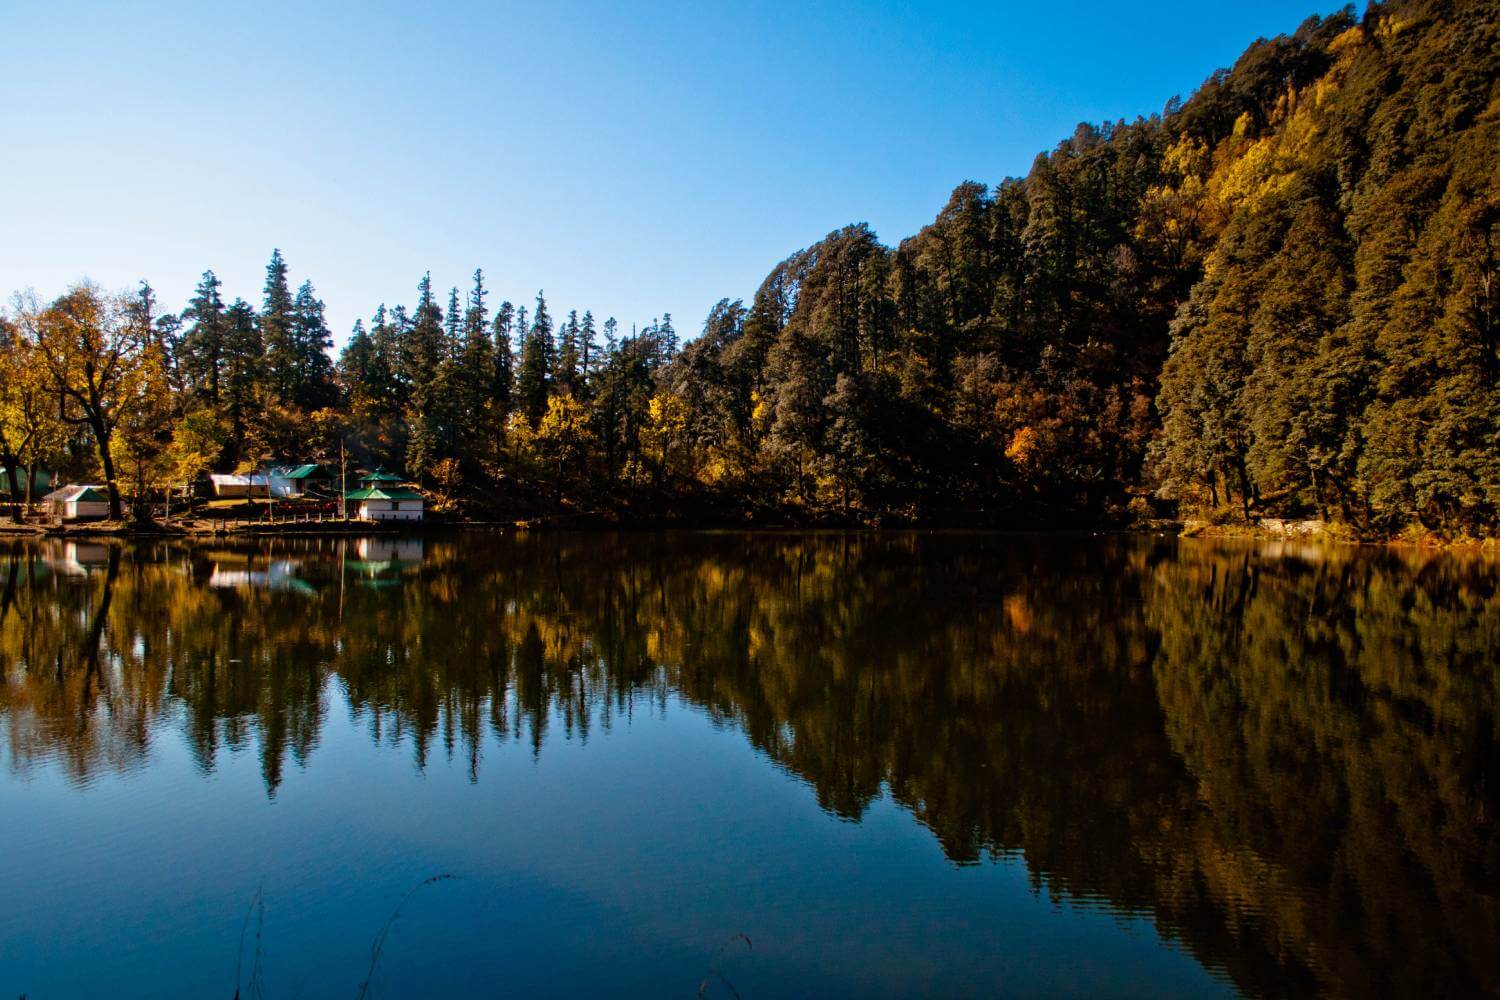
x=78, y=503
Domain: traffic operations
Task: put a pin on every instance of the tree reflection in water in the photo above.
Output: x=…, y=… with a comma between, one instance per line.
x=1285, y=756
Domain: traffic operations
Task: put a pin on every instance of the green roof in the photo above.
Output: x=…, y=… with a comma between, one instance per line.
x=297, y=471
x=384, y=493
x=380, y=476
x=77, y=494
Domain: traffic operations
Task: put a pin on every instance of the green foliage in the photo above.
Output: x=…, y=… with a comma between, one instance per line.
x=1339, y=355
x=1276, y=299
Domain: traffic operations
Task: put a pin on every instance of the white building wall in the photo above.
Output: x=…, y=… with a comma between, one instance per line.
x=87, y=508
x=386, y=510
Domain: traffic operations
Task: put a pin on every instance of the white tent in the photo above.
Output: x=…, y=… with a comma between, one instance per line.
x=252, y=485
x=78, y=503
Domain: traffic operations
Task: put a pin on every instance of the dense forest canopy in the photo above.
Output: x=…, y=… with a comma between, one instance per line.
x=1276, y=298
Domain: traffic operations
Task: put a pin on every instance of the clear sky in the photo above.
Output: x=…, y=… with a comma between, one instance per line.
x=632, y=157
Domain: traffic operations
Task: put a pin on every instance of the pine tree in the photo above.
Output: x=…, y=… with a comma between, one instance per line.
x=477, y=315
x=313, y=386
x=668, y=337
x=503, y=381
x=203, y=345
x=852, y=456
x=453, y=326
x=386, y=383
x=611, y=337
x=588, y=349
x=243, y=375
x=425, y=357
x=566, y=370
x=424, y=346
x=531, y=377
x=541, y=329
x=278, y=331
x=476, y=368
x=357, y=367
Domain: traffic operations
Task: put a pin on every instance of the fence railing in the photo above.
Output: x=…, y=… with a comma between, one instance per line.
x=267, y=520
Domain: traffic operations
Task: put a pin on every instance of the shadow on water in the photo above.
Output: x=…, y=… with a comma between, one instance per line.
x=1284, y=756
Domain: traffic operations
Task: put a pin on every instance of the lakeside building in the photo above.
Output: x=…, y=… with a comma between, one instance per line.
x=231, y=486
x=78, y=503
x=300, y=480
x=281, y=482
x=383, y=496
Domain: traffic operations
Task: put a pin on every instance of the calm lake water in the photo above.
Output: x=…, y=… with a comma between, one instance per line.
x=777, y=765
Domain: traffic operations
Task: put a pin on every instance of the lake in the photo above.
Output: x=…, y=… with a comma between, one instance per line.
x=749, y=764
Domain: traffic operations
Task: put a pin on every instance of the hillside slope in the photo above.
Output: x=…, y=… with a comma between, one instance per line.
x=1276, y=298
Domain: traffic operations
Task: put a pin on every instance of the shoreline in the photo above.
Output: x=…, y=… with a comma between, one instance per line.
x=594, y=522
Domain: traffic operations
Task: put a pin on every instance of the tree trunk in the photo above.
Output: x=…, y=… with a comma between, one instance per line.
x=1244, y=488
x=107, y=462
x=15, y=485
x=9, y=460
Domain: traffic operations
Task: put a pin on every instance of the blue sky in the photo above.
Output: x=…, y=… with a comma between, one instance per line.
x=631, y=158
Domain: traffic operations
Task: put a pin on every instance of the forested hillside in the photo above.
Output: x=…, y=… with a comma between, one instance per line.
x=1276, y=298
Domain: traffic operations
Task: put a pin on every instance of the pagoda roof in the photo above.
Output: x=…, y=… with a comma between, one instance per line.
x=384, y=493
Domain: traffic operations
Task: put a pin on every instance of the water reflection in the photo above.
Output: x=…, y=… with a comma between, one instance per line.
x=1284, y=755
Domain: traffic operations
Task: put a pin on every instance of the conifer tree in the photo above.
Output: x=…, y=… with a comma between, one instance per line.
x=424, y=345
x=243, y=373
x=278, y=331
x=532, y=383
x=668, y=337
x=425, y=355
x=475, y=373
x=476, y=316
x=503, y=381
x=542, y=329
x=313, y=385
x=566, y=370
x=203, y=345
x=453, y=326
x=387, y=387
x=588, y=348
x=357, y=366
